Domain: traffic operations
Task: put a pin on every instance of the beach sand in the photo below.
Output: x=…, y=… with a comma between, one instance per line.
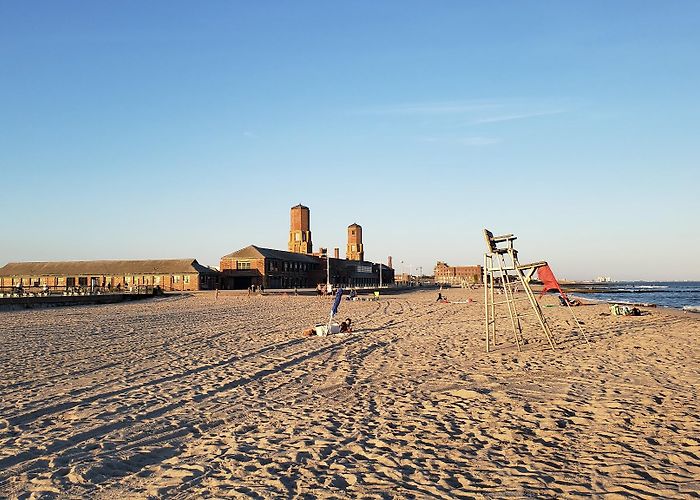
x=188, y=396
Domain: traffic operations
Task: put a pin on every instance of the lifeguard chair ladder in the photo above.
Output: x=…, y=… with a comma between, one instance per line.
x=501, y=265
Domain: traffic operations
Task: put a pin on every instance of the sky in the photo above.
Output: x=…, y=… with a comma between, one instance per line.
x=136, y=130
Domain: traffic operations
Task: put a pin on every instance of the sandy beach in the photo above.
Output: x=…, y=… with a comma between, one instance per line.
x=192, y=397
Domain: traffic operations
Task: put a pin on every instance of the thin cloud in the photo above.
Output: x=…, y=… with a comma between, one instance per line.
x=464, y=141
x=479, y=141
x=519, y=116
x=430, y=108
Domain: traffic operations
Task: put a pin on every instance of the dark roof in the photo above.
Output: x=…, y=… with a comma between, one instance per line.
x=354, y=224
x=300, y=206
x=105, y=267
x=256, y=252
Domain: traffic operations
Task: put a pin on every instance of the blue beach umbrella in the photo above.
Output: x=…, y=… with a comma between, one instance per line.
x=336, y=302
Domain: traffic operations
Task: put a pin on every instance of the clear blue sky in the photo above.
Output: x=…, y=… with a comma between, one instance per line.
x=175, y=129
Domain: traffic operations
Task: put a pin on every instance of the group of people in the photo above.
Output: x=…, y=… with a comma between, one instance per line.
x=255, y=288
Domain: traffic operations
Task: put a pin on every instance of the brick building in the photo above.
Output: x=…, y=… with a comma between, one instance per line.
x=169, y=274
x=300, y=267
x=270, y=268
x=356, y=250
x=300, y=230
x=457, y=275
x=254, y=265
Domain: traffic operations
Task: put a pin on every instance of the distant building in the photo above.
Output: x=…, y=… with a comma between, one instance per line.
x=270, y=268
x=403, y=278
x=300, y=230
x=352, y=273
x=254, y=265
x=300, y=267
x=355, y=250
x=169, y=274
x=457, y=275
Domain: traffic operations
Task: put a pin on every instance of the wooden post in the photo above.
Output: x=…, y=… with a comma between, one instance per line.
x=486, y=301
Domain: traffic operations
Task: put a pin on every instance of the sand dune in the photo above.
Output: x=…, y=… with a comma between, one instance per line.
x=191, y=397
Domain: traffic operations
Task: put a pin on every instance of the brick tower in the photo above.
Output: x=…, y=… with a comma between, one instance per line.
x=356, y=251
x=300, y=230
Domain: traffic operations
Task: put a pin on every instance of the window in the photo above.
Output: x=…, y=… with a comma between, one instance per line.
x=70, y=281
x=186, y=279
x=297, y=236
x=156, y=280
x=176, y=279
x=243, y=264
x=82, y=281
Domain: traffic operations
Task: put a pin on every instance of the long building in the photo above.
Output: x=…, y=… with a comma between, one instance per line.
x=457, y=275
x=253, y=265
x=168, y=274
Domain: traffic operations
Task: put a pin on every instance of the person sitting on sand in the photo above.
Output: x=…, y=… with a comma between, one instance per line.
x=566, y=301
x=346, y=326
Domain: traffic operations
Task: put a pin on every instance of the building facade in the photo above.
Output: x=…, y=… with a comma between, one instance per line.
x=457, y=275
x=254, y=265
x=168, y=274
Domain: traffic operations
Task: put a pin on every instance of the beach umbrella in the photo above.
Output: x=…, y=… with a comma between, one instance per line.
x=334, y=309
x=336, y=302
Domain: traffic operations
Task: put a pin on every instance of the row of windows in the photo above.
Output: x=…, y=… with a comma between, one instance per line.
x=96, y=281
x=274, y=266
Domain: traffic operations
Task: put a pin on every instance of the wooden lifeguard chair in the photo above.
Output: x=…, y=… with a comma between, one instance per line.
x=502, y=269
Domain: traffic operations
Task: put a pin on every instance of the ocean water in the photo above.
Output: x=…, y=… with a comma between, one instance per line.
x=675, y=294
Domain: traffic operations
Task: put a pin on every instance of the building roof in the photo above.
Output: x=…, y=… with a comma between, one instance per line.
x=256, y=252
x=354, y=224
x=104, y=267
x=300, y=206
